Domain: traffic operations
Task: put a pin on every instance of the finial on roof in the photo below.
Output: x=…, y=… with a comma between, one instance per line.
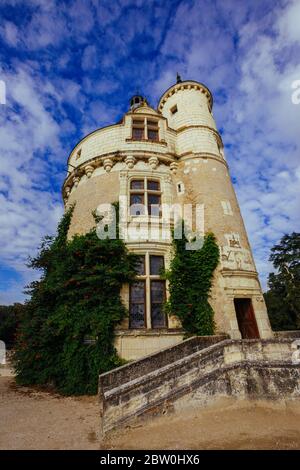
x=137, y=101
x=178, y=78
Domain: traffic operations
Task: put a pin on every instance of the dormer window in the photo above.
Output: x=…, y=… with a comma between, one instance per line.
x=138, y=129
x=152, y=130
x=145, y=129
x=174, y=109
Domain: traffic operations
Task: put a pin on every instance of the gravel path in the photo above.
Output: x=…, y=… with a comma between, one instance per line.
x=31, y=419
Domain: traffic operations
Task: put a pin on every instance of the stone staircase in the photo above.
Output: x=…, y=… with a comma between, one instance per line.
x=195, y=372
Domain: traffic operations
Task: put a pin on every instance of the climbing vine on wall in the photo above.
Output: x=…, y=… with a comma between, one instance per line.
x=77, y=299
x=190, y=278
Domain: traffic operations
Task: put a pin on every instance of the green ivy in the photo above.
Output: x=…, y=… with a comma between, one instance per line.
x=190, y=280
x=76, y=299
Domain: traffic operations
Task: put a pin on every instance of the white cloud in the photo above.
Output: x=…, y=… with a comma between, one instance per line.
x=246, y=52
x=261, y=126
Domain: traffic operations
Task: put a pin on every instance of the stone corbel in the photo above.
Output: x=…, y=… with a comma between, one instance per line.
x=108, y=164
x=67, y=191
x=130, y=161
x=76, y=180
x=153, y=162
x=174, y=167
x=89, y=170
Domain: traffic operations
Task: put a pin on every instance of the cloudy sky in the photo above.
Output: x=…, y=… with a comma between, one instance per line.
x=71, y=66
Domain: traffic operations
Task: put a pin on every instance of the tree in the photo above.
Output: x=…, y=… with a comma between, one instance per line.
x=66, y=336
x=9, y=317
x=283, y=296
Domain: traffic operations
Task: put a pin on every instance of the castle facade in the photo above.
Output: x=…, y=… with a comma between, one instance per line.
x=154, y=159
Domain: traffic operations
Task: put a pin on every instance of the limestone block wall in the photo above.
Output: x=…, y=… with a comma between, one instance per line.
x=195, y=139
x=206, y=181
x=134, y=344
x=193, y=102
x=116, y=138
x=242, y=368
x=87, y=196
x=188, y=159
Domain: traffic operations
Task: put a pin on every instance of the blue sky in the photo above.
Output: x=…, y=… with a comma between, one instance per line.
x=71, y=67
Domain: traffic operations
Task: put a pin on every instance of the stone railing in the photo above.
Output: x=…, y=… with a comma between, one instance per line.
x=287, y=334
x=155, y=385
x=152, y=362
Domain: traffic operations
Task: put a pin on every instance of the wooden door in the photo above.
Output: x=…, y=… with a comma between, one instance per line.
x=246, y=318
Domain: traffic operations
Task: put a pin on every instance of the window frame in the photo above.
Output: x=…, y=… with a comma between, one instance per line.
x=144, y=281
x=145, y=123
x=173, y=109
x=163, y=282
x=148, y=278
x=145, y=192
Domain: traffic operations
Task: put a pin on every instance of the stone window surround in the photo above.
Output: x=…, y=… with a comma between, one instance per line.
x=165, y=190
x=144, y=124
x=145, y=192
x=226, y=206
x=247, y=292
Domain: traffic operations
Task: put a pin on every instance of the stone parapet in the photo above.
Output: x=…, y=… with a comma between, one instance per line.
x=241, y=368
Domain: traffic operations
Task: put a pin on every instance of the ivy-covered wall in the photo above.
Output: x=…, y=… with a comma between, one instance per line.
x=77, y=298
x=190, y=279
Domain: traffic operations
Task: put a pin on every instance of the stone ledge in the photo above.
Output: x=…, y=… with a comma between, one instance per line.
x=149, y=332
x=287, y=334
x=258, y=367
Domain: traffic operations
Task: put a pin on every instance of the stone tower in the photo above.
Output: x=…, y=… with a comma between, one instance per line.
x=153, y=159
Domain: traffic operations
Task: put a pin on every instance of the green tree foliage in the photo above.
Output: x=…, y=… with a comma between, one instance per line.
x=9, y=317
x=76, y=299
x=283, y=296
x=190, y=279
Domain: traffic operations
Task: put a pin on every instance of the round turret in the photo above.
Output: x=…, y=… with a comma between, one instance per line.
x=156, y=160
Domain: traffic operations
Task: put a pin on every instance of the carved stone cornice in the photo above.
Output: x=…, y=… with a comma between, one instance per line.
x=186, y=85
x=107, y=161
x=238, y=273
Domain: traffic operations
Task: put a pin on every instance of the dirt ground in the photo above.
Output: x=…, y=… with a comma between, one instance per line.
x=31, y=419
